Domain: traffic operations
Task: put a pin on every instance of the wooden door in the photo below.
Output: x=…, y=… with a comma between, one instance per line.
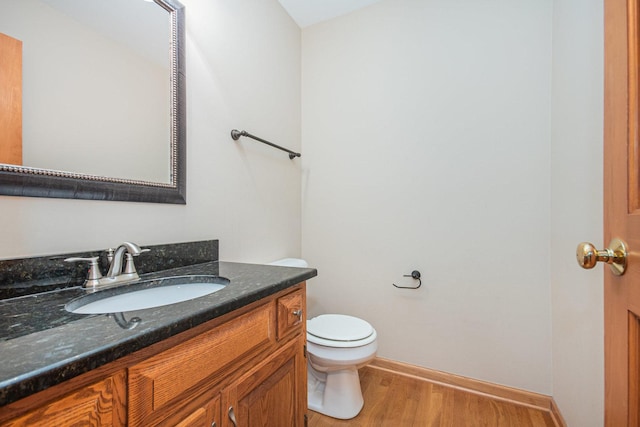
x=10, y=100
x=273, y=394
x=622, y=211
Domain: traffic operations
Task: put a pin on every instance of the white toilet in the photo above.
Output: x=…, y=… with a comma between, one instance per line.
x=337, y=346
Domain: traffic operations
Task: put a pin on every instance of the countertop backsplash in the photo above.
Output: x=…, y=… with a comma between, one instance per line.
x=28, y=276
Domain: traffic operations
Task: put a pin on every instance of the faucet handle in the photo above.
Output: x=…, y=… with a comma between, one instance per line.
x=130, y=267
x=94, y=274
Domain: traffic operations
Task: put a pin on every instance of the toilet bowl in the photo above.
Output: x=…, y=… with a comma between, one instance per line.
x=337, y=346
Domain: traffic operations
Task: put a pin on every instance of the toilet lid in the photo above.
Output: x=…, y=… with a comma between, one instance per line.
x=339, y=327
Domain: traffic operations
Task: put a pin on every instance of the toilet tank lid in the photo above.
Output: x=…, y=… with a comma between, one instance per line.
x=290, y=262
x=339, y=327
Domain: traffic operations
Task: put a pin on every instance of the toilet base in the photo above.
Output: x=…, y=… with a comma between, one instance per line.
x=336, y=394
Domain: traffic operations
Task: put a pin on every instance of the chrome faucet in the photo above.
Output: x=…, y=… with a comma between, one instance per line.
x=116, y=274
x=116, y=259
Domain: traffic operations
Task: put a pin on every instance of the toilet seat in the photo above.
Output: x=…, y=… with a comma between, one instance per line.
x=339, y=330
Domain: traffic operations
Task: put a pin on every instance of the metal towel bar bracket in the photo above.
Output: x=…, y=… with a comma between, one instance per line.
x=236, y=134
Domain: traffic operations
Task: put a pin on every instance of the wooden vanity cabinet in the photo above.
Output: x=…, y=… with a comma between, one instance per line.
x=249, y=365
x=243, y=361
x=166, y=383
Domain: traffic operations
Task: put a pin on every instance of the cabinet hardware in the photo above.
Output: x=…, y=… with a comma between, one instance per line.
x=232, y=416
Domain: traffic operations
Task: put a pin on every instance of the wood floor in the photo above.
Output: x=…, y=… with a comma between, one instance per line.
x=399, y=401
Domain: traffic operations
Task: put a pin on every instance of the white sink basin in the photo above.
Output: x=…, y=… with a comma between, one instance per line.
x=148, y=294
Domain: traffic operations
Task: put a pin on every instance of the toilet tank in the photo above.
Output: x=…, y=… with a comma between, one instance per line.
x=290, y=262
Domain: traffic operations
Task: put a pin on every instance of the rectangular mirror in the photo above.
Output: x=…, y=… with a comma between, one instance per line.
x=103, y=99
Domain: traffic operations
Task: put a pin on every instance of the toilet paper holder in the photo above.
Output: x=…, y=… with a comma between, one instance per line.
x=415, y=274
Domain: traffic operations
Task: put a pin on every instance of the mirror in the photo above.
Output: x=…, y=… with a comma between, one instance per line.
x=103, y=100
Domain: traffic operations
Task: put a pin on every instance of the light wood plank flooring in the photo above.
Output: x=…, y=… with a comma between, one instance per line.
x=399, y=401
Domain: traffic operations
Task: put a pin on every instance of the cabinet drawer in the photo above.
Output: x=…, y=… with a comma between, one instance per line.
x=291, y=313
x=170, y=375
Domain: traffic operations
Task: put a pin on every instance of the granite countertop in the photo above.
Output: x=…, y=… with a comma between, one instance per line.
x=41, y=344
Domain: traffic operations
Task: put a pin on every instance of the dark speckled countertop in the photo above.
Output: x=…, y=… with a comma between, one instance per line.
x=42, y=345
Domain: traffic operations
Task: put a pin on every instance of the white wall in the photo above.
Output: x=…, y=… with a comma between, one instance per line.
x=426, y=128
x=243, y=71
x=576, y=210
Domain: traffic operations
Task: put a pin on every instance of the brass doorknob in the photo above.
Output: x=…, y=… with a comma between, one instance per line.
x=615, y=255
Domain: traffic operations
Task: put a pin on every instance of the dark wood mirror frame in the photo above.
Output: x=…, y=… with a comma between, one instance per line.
x=33, y=182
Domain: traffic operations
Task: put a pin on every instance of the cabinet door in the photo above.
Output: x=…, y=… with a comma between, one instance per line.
x=205, y=416
x=99, y=404
x=273, y=394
